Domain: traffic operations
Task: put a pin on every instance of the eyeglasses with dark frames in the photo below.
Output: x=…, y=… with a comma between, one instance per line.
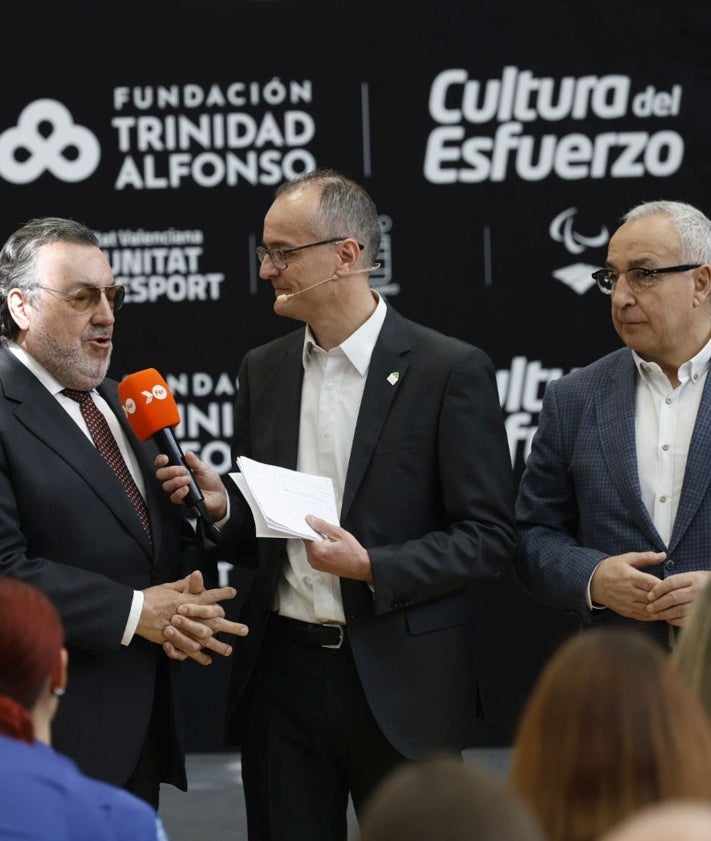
x=638, y=278
x=89, y=297
x=278, y=255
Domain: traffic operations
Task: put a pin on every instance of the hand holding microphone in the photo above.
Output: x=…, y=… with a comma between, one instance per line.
x=152, y=412
x=287, y=296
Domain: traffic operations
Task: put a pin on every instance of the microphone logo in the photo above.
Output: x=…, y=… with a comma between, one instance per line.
x=152, y=412
x=158, y=391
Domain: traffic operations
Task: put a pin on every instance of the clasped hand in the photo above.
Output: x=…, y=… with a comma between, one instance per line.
x=184, y=618
x=620, y=583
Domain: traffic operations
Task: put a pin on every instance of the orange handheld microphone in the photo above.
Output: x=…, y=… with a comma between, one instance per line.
x=287, y=296
x=152, y=412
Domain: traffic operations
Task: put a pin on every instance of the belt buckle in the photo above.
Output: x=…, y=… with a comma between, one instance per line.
x=340, y=634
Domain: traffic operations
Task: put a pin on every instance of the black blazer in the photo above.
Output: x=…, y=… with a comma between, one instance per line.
x=429, y=492
x=67, y=526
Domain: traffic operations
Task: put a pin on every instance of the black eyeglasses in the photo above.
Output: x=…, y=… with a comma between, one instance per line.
x=638, y=279
x=89, y=297
x=278, y=255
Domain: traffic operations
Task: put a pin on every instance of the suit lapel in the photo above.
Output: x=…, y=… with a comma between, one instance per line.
x=285, y=382
x=697, y=474
x=40, y=413
x=615, y=408
x=387, y=369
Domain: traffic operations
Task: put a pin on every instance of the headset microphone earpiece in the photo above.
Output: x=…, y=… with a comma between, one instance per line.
x=286, y=296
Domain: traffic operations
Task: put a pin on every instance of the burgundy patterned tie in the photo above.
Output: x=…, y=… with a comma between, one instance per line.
x=107, y=446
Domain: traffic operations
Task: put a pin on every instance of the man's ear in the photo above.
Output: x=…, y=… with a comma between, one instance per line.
x=349, y=254
x=17, y=305
x=59, y=673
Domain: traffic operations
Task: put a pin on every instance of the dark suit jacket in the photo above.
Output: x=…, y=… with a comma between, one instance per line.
x=580, y=498
x=429, y=493
x=67, y=526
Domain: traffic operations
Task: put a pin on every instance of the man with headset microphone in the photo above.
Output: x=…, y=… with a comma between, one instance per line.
x=359, y=654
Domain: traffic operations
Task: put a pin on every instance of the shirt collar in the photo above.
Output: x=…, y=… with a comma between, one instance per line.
x=692, y=370
x=358, y=347
x=48, y=381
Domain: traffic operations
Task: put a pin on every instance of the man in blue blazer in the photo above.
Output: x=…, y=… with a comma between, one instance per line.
x=68, y=526
x=360, y=652
x=614, y=507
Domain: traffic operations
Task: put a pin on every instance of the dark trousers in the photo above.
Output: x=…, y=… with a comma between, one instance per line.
x=311, y=741
x=156, y=755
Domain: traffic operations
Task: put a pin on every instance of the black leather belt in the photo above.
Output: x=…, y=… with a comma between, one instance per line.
x=327, y=635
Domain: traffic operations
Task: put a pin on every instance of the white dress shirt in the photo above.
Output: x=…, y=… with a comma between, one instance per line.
x=330, y=401
x=664, y=423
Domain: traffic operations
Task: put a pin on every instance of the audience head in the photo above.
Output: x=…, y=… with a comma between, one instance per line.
x=609, y=727
x=679, y=820
x=33, y=661
x=445, y=797
x=692, y=653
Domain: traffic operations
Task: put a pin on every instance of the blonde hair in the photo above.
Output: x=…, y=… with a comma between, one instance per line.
x=692, y=653
x=609, y=727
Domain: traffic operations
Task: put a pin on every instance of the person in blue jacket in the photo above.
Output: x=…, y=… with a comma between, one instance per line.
x=43, y=794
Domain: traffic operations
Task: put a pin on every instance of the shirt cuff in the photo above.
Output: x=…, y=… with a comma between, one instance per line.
x=588, y=597
x=219, y=523
x=133, y=617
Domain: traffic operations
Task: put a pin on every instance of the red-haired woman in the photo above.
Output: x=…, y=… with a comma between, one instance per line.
x=43, y=794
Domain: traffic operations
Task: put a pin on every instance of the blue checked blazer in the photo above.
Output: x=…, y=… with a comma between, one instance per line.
x=580, y=501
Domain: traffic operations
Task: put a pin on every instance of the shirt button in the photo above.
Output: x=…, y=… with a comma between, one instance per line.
x=669, y=564
x=662, y=499
x=668, y=400
x=665, y=447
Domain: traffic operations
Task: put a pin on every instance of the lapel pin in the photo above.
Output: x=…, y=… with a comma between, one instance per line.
x=393, y=377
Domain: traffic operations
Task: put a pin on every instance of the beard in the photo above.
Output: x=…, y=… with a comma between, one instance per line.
x=75, y=363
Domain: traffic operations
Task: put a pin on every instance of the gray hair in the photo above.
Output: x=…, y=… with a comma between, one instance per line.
x=344, y=209
x=18, y=260
x=693, y=227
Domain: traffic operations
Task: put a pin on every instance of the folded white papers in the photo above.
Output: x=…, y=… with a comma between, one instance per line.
x=281, y=498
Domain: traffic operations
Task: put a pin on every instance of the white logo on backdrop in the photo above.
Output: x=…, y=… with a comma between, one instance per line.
x=525, y=127
x=213, y=135
x=576, y=276
x=158, y=265
x=521, y=389
x=382, y=278
x=46, y=139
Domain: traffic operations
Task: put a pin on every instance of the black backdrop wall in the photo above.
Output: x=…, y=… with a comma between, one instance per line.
x=501, y=143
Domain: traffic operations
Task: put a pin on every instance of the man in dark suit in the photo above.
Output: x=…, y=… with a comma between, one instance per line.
x=614, y=505
x=129, y=593
x=360, y=652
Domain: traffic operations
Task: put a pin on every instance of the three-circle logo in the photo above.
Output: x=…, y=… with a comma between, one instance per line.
x=46, y=139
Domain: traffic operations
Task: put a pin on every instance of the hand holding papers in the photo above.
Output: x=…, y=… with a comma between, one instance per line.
x=281, y=498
